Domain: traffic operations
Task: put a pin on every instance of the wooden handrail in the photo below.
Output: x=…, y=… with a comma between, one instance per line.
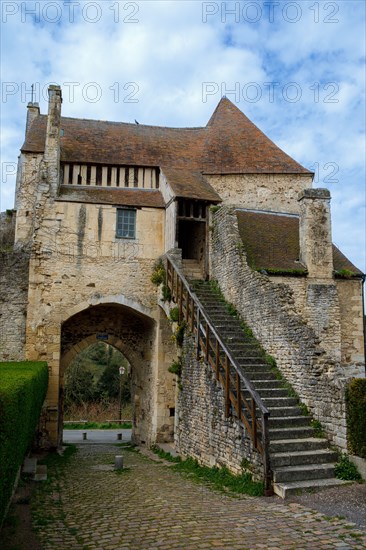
x=225, y=366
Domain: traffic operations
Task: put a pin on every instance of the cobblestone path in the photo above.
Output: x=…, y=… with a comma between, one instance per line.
x=149, y=505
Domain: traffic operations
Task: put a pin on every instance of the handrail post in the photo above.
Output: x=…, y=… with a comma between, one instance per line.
x=217, y=359
x=167, y=273
x=227, y=387
x=180, y=297
x=175, y=286
x=207, y=340
x=238, y=396
x=254, y=425
x=187, y=306
x=268, y=489
x=198, y=346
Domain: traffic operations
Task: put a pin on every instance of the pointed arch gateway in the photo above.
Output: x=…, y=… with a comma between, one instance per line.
x=139, y=338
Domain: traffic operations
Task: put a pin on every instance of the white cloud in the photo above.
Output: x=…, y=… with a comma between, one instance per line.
x=163, y=60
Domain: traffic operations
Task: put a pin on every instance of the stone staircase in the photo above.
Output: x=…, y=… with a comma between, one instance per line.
x=299, y=460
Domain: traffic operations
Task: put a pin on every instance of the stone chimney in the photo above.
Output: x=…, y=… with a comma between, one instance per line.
x=52, y=147
x=315, y=233
x=33, y=112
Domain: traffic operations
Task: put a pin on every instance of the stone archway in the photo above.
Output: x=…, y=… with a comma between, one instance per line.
x=141, y=340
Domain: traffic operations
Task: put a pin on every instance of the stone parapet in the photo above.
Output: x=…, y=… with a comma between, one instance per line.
x=271, y=311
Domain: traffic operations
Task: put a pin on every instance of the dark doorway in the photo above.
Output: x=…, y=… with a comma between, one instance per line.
x=192, y=239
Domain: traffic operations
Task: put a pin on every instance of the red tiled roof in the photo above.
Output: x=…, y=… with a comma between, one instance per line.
x=199, y=188
x=230, y=143
x=271, y=242
x=117, y=197
x=234, y=144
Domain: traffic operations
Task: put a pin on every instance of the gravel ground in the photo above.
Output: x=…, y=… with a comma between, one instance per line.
x=348, y=502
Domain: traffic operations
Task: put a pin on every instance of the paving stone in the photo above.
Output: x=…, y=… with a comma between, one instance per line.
x=150, y=506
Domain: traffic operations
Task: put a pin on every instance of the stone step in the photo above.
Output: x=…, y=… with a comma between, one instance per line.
x=320, y=456
x=217, y=318
x=298, y=432
x=289, y=421
x=291, y=411
x=249, y=358
x=189, y=261
x=280, y=402
x=253, y=375
x=295, y=487
x=303, y=472
x=253, y=361
x=238, y=339
x=293, y=445
x=245, y=349
x=268, y=384
x=272, y=392
x=212, y=302
x=252, y=370
x=190, y=274
x=264, y=376
x=229, y=329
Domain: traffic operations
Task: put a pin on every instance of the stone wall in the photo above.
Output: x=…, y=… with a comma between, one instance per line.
x=202, y=431
x=273, y=192
x=14, y=269
x=28, y=196
x=270, y=310
x=78, y=267
x=343, y=328
x=77, y=264
x=352, y=323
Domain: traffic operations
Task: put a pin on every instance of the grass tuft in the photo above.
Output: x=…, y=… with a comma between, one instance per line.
x=221, y=478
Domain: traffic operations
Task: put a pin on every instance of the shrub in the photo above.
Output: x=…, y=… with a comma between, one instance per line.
x=174, y=314
x=167, y=295
x=179, y=334
x=158, y=274
x=356, y=416
x=23, y=388
x=176, y=368
x=346, y=470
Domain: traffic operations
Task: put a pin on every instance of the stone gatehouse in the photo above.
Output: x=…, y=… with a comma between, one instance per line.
x=97, y=203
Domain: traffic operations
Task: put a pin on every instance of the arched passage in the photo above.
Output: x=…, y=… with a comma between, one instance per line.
x=139, y=338
x=97, y=385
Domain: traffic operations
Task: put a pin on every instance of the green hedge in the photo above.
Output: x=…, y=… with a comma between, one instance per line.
x=356, y=416
x=23, y=388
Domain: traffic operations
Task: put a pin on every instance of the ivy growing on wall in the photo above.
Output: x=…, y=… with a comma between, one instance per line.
x=356, y=416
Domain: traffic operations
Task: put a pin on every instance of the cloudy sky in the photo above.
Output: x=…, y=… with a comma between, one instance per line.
x=296, y=69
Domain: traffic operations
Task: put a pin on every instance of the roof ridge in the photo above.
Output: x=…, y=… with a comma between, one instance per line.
x=133, y=124
x=270, y=212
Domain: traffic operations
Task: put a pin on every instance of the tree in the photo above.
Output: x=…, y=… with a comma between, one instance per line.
x=110, y=380
x=94, y=377
x=79, y=384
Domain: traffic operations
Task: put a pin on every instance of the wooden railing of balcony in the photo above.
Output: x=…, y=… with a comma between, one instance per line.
x=241, y=399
